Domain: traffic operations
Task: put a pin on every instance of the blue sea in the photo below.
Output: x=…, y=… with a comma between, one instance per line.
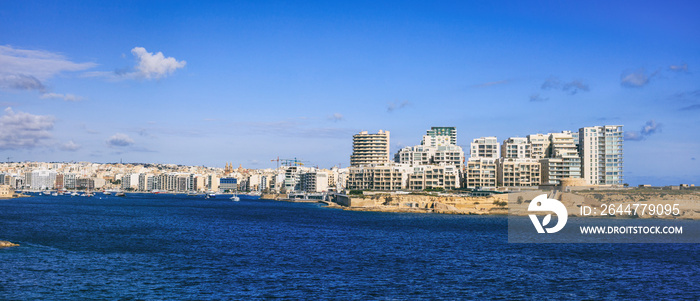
x=165, y=247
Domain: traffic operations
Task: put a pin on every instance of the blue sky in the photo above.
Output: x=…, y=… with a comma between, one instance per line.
x=207, y=83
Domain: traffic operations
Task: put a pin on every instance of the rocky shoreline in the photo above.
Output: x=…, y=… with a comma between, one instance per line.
x=7, y=244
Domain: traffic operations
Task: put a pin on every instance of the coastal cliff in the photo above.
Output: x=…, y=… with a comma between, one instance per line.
x=496, y=204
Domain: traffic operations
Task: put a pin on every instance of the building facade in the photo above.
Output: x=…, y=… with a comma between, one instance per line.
x=370, y=149
x=601, y=154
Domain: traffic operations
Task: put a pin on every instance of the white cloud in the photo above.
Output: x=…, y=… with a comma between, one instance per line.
x=537, y=98
x=23, y=130
x=336, y=117
x=66, y=97
x=148, y=66
x=649, y=128
x=120, y=140
x=154, y=65
x=70, y=146
x=393, y=106
x=635, y=79
x=679, y=68
x=38, y=63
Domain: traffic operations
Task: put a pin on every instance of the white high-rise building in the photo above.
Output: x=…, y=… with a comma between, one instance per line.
x=41, y=179
x=370, y=148
x=601, y=154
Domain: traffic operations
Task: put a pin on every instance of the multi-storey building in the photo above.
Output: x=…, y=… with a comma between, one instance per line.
x=370, y=148
x=380, y=177
x=564, y=161
x=440, y=135
x=314, y=181
x=481, y=172
x=518, y=172
x=41, y=179
x=432, y=176
x=539, y=146
x=601, y=154
x=485, y=147
x=516, y=148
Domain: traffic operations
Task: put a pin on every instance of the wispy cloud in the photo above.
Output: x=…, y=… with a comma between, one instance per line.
x=66, y=97
x=489, y=84
x=570, y=88
x=336, y=117
x=69, y=146
x=679, y=68
x=575, y=86
x=120, y=140
x=148, y=66
x=21, y=82
x=23, y=130
x=393, y=106
x=649, y=128
x=636, y=78
x=24, y=69
x=537, y=98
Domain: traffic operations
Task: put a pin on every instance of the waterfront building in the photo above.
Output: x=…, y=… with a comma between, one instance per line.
x=228, y=184
x=485, y=147
x=431, y=155
x=432, y=176
x=516, y=148
x=601, y=154
x=539, y=146
x=370, y=148
x=146, y=182
x=564, y=161
x=519, y=172
x=130, y=181
x=6, y=191
x=41, y=179
x=314, y=181
x=388, y=177
x=481, y=172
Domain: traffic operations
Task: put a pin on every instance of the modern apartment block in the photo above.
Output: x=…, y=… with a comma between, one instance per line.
x=482, y=165
x=370, y=148
x=431, y=155
x=437, y=135
x=516, y=148
x=432, y=176
x=601, y=154
x=485, y=147
x=564, y=160
x=514, y=172
x=481, y=172
x=315, y=181
x=539, y=145
x=388, y=177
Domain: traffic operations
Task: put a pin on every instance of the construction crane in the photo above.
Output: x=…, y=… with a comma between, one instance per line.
x=292, y=162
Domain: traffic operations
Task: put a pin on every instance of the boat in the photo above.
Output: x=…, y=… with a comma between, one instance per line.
x=235, y=198
x=54, y=194
x=73, y=193
x=120, y=194
x=106, y=193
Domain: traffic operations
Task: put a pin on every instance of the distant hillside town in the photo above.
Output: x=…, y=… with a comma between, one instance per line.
x=591, y=156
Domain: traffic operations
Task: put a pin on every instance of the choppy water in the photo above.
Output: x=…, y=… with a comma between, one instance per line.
x=179, y=247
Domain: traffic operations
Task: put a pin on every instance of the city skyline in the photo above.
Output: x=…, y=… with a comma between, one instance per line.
x=204, y=84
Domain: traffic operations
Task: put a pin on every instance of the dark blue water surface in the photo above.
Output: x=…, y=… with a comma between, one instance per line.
x=179, y=247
